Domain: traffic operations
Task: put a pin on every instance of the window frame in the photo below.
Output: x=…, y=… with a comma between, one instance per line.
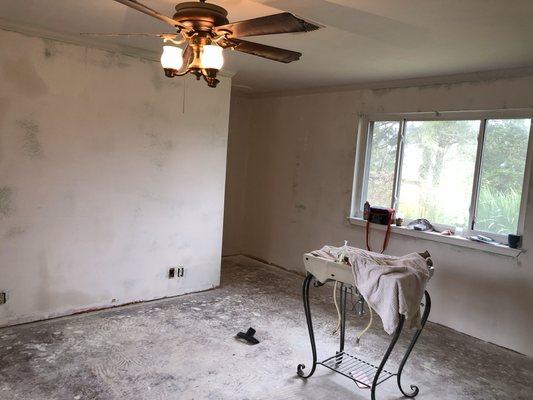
x=363, y=155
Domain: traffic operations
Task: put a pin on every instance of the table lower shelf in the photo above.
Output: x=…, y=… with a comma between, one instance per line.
x=356, y=369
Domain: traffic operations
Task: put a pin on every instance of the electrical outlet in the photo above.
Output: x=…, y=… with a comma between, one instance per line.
x=175, y=272
x=3, y=298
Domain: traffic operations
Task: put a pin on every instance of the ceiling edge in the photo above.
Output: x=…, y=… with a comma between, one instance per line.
x=86, y=41
x=472, y=77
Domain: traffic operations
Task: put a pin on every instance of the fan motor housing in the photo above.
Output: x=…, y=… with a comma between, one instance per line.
x=200, y=16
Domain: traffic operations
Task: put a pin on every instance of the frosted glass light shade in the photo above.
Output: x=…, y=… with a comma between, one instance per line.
x=171, y=57
x=212, y=56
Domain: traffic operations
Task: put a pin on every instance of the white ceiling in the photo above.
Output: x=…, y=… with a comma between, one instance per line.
x=363, y=40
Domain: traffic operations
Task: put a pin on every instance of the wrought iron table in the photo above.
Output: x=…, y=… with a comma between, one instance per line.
x=342, y=362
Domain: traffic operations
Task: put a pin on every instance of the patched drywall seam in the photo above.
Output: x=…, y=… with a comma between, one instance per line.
x=23, y=74
x=31, y=146
x=114, y=60
x=160, y=149
x=14, y=232
x=4, y=105
x=6, y=201
x=50, y=49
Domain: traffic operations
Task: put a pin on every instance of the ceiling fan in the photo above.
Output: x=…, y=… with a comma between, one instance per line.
x=205, y=31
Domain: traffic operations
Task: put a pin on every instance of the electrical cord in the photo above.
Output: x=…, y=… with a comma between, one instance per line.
x=360, y=335
x=337, y=308
x=358, y=338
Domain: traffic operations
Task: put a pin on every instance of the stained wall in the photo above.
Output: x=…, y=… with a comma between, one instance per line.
x=110, y=173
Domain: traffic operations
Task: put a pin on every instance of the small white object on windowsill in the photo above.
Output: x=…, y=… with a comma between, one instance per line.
x=451, y=240
x=482, y=239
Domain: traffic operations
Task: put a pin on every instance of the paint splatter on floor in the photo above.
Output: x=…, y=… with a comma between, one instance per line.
x=184, y=348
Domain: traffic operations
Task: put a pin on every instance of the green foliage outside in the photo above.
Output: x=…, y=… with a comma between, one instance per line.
x=441, y=145
x=502, y=175
x=498, y=212
x=502, y=172
x=437, y=138
x=426, y=209
x=382, y=161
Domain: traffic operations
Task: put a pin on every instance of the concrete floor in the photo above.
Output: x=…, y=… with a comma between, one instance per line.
x=184, y=348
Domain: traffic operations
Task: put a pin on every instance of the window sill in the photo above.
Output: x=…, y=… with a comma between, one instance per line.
x=437, y=237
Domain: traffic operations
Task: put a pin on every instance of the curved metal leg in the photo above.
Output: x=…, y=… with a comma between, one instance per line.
x=414, y=388
x=305, y=294
x=386, y=356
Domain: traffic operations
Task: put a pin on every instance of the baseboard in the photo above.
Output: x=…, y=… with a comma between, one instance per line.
x=31, y=319
x=259, y=262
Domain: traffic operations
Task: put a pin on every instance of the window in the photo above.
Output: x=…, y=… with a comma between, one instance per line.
x=462, y=170
x=438, y=170
x=382, y=159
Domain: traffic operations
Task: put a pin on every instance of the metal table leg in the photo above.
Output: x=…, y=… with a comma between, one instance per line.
x=386, y=356
x=305, y=294
x=414, y=388
x=335, y=363
x=344, y=292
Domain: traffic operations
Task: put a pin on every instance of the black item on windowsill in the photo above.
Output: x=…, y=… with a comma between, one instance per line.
x=248, y=336
x=380, y=216
x=514, y=241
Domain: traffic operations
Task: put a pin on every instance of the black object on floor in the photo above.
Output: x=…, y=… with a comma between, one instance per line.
x=248, y=336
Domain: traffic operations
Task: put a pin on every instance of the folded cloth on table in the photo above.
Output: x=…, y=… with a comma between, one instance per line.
x=390, y=285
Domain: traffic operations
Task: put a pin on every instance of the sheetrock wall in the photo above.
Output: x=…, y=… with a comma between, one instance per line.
x=298, y=183
x=238, y=152
x=110, y=173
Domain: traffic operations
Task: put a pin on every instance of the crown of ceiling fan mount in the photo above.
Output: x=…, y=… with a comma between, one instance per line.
x=205, y=31
x=200, y=15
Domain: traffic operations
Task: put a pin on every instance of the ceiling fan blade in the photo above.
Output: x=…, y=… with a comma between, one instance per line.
x=269, y=25
x=149, y=11
x=161, y=35
x=262, y=50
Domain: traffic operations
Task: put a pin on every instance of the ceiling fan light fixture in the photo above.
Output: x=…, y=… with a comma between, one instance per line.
x=171, y=59
x=204, y=30
x=212, y=57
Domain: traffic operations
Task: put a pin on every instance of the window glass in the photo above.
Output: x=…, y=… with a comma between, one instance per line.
x=438, y=171
x=502, y=175
x=384, y=140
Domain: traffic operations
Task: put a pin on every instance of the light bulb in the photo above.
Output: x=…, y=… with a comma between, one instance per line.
x=171, y=57
x=212, y=56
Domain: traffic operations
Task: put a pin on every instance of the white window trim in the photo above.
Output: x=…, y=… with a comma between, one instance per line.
x=362, y=162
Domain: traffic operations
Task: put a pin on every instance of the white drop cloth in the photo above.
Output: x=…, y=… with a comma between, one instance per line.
x=390, y=285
